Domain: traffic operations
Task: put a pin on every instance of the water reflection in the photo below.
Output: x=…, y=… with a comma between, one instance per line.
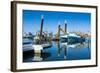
x=30, y=56
x=60, y=51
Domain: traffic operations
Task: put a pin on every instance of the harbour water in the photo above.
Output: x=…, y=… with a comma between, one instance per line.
x=59, y=51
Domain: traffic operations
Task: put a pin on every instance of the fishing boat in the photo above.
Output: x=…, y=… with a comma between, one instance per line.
x=72, y=38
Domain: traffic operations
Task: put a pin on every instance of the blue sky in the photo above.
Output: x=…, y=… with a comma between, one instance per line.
x=75, y=21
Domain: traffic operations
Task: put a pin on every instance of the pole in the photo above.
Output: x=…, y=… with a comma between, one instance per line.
x=65, y=26
x=41, y=28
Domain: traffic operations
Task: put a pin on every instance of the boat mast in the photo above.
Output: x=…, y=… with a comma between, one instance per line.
x=41, y=28
x=65, y=27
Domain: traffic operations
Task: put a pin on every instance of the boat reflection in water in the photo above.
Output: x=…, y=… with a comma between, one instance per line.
x=59, y=51
x=30, y=56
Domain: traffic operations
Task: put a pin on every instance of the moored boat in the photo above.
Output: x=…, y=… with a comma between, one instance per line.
x=72, y=38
